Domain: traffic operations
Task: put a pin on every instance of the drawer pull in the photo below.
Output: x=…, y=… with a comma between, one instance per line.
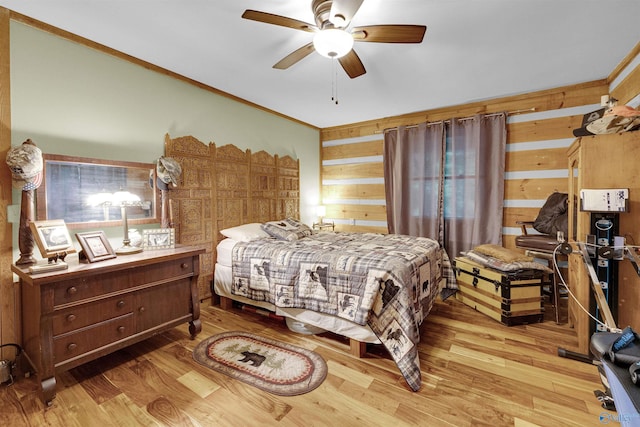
x=72, y=290
x=142, y=309
x=72, y=346
x=71, y=318
x=184, y=265
x=120, y=304
x=121, y=329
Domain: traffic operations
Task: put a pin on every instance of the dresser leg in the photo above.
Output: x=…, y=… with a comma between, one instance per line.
x=48, y=390
x=195, y=327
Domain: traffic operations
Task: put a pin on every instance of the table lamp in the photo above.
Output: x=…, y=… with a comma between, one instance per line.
x=322, y=211
x=124, y=199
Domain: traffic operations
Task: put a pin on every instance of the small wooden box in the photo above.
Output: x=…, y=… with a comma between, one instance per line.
x=510, y=298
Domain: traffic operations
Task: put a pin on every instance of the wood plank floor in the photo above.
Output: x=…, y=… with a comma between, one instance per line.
x=476, y=372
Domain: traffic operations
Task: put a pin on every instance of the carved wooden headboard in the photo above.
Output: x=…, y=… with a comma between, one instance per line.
x=221, y=187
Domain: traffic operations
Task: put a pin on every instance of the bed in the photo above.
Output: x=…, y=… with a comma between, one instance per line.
x=367, y=286
x=225, y=189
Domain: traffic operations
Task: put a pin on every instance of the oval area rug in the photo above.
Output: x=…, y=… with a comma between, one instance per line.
x=270, y=365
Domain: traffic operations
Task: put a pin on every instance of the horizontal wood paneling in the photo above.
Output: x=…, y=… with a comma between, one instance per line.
x=533, y=189
x=543, y=130
x=361, y=212
x=361, y=229
x=563, y=97
x=511, y=216
x=360, y=170
x=628, y=88
x=515, y=189
x=360, y=149
x=509, y=241
x=355, y=191
x=526, y=183
x=552, y=158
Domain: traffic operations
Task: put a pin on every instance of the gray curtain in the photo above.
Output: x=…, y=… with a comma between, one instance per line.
x=413, y=179
x=447, y=181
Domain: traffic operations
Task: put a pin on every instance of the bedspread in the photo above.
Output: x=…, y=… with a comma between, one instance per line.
x=386, y=281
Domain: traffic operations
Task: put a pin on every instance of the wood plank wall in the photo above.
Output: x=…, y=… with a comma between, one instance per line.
x=536, y=160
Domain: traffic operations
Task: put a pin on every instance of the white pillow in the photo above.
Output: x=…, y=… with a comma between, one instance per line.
x=245, y=232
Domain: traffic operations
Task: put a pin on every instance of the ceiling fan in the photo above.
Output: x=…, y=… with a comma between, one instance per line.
x=333, y=38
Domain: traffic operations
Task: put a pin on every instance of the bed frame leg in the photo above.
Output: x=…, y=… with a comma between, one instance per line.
x=357, y=348
x=226, y=303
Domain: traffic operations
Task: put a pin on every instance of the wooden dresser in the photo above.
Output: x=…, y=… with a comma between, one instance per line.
x=72, y=316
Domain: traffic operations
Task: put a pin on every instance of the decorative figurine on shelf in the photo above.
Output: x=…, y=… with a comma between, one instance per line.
x=168, y=171
x=25, y=163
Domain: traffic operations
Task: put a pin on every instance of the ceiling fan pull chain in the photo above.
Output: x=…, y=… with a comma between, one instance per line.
x=334, y=81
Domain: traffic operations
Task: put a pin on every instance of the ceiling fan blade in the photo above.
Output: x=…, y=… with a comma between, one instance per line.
x=389, y=33
x=352, y=64
x=294, y=57
x=283, y=21
x=344, y=10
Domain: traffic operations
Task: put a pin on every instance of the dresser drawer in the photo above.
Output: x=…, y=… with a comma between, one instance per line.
x=164, y=271
x=76, y=343
x=88, y=314
x=69, y=291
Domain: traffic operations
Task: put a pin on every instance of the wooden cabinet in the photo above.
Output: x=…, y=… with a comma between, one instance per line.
x=601, y=162
x=72, y=316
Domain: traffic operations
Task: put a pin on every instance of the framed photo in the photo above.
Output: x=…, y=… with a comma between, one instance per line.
x=52, y=237
x=159, y=238
x=95, y=246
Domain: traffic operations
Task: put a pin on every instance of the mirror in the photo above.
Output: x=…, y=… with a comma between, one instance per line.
x=77, y=190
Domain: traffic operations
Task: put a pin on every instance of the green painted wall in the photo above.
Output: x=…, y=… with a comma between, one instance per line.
x=74, y=100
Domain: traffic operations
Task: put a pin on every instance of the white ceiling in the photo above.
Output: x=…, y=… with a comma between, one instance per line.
x=472, y=50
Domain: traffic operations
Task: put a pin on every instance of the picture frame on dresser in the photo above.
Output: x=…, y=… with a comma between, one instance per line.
x=159, y=238
x=52, y=237
x=95, y=246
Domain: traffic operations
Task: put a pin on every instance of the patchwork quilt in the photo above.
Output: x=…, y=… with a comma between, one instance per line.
x=386, y=281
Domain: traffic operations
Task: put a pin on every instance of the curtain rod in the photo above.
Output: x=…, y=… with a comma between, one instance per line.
x=509, y=113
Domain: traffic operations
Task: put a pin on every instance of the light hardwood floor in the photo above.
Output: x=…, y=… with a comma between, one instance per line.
x=476, y=372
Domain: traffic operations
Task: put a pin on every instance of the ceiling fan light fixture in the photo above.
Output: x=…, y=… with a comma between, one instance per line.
x=338, y=20
x=333, y=43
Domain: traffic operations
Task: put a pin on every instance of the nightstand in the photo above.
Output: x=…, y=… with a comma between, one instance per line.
x=323, y=226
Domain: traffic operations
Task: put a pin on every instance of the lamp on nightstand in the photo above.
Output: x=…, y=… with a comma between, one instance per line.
x=321, y=224
x=124, y=199
x=322, y=211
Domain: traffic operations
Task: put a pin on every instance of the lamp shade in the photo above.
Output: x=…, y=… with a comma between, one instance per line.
x=321, y=210
x=100, y=199
x=333, y=43
x=125, y=198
